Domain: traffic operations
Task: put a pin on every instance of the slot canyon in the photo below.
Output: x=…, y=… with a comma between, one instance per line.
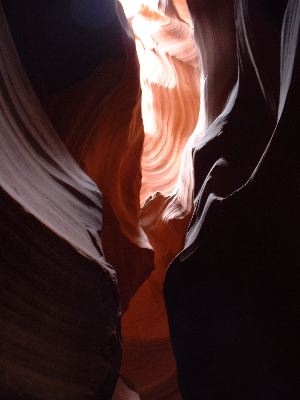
x=149, y=200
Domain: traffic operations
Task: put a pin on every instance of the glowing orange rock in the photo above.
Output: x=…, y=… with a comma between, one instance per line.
x=136, y=144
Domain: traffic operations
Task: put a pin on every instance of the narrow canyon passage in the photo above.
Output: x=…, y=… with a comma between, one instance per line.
x=149, y=199
x=169, y=69
x=132, y=147
x=120, y=125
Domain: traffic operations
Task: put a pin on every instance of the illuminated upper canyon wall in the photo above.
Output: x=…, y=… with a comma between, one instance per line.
x=105, y=133
x=134, y=144
x=131, y=144
x=169, y=76
x=231, y=283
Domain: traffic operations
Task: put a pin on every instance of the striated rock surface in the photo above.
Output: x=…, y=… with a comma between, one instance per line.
x=59, y=309
x=232, y=293
x=129, y=140
x=189, y=131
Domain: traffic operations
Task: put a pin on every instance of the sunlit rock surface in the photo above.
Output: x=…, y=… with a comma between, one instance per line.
x=131, y=146
x=59, y=315
x=192, y=129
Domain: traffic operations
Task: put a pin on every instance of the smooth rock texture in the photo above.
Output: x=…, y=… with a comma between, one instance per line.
x=187, y=122
x=59, y=318
x=233, y=293
x=108, y=134
x=123, y=392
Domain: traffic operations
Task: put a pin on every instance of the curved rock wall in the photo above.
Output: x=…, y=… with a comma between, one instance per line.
x=59, y=319
x=191, y=137
x=232, y=292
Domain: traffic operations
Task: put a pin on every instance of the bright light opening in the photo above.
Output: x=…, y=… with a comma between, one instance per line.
x=169, y=78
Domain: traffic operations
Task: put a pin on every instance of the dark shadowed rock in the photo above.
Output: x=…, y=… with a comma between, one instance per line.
x=59, y=309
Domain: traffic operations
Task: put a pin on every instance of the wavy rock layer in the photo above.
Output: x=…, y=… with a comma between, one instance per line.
x=59, y=318
x=130, y=144
x=196, y=118
x=232, y=293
